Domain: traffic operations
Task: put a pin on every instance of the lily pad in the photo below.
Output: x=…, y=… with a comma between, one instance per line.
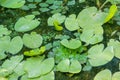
x=71, y=23
x=71, y=44
x=69, y=66
x=12, y=3
x=104, y=75
x=10, y=64
x=107, y=75
x=13, y=48
x=26, y=23
x=92, y=35
x=56, y=17
x=36, y=66
x=92, y=19
x=116, y=47
x=116, y=76
x=32, y=40
x=99, y=56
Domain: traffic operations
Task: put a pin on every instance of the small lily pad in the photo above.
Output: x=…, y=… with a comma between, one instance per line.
x=116, y=47
x=4, y=31
x=56, y=17
x=13, y=48
x=71, y=23
x=103, y=75
x=71, y=44
x=26, y=23
x=99, y=56
x=69, y=66
x=32, y=40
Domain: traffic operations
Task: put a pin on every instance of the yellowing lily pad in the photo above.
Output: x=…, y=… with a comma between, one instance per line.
x=71, y=44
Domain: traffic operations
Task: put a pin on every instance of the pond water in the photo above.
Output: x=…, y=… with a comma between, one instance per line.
x=8, y=18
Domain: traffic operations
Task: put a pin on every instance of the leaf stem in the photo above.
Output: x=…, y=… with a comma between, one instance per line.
x=104, y=4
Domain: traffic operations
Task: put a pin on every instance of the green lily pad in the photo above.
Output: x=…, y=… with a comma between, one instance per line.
x=107, y=75
x=92, y=19
x=116, y=47
x=56, y=17
x=99, y=56
x=12, y=3
x=69, y=66
x=9, y=65
x=32, y=40
x=71, y=44
x=103, y=75
x=71, y=23
x=26, y=23
x=92, y=35
x=116, y=76
x=47, y=76
x=36, y=66
x=13, y=48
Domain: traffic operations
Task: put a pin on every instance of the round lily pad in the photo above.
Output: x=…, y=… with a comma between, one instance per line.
x=32, y=40
x=26, y=23
x=99, y=56
x=71, y=23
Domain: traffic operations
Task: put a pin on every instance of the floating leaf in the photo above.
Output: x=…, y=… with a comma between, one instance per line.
x=99, y=56
x=35, y=52
x=64, y=68
x=71, y=23
x=2, y=78
x=72, y=44
x=36, y=66
x=116, y=76
x=12, y=3
x=69, y=66
x=112, y=11
x=9, y=65
x=116, y=47
x=104, y=75
x=107, y=75
x=92, y=35
x=75, y=67
x=92, y=19
x=16, y=45
x=32, y=40
x=56, y=17
x=26, y=23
